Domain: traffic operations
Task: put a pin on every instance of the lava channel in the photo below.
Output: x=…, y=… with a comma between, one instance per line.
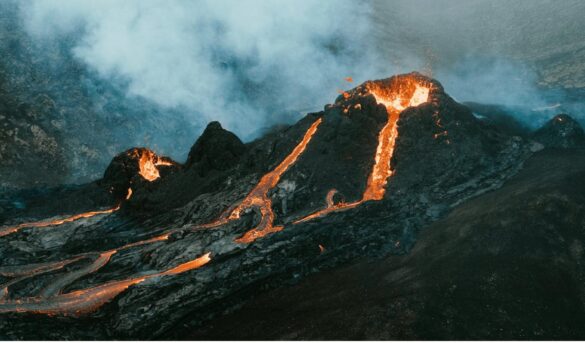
x=395, y=102
x=259, y=198
x=90, y=299
x=47, y=223
x=56, y=222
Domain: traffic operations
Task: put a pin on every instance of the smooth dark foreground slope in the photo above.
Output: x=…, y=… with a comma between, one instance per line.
x=505, y=265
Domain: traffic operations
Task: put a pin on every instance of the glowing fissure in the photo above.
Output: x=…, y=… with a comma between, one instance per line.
x=90, y=299
x=37, y=268
x=258, y=197
x=381, y=170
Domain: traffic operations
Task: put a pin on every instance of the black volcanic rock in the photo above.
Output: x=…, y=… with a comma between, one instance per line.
x=441, y=144
x=562, y=131
x=443, y=155
x=124, y=170
x=216, y=149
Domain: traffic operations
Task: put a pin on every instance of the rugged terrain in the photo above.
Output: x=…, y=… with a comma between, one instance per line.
x=168, y=248
x=505, y=265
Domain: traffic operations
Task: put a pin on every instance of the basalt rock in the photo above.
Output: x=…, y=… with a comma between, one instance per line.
x=561, y=132
x=216, y=149
x=135, y=168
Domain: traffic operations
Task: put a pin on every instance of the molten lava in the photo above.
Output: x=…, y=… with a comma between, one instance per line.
x=258, y=197
x=129, y=194
x=406, y=94
x=398, y=96
x=56, y=222
x=90, y=299
x=148, y=163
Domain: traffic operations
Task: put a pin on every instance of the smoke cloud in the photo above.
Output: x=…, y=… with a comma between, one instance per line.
x=253, y=63
x=240, y=62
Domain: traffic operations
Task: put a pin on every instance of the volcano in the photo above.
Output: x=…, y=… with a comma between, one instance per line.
x=394, y=171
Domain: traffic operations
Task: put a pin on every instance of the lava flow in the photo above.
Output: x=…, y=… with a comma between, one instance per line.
x=259, y=198
x=56, y=222
x=259, y=195
x=406, y=94
x=90, y=299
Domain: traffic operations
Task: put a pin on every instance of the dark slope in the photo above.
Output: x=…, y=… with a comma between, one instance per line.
x=505, y=265
x=562, y=131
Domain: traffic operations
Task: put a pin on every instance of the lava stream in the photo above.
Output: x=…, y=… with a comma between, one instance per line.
x=27, y=271
x=46, y=223
x=381, y=170
x=90, y=299
x=37, y=268
x=56, y=286
x=56, y=222
x=259, y=198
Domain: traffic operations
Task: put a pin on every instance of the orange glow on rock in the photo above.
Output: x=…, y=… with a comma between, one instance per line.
x=129, y=194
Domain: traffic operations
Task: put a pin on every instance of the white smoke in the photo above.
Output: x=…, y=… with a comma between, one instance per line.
x=239, y=62
x=247, y=63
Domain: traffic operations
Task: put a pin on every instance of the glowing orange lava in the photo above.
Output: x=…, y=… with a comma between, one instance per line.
x=100, y=259
x=148, y=163
x=407, y=94
x=90, y=299
x=56, y=222
x=258, y=197
x=47, y=223
x=129, y=194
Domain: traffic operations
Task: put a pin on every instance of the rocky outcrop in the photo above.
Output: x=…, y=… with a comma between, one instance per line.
x=135, y=168
x=561, y=132
x=217, y=149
